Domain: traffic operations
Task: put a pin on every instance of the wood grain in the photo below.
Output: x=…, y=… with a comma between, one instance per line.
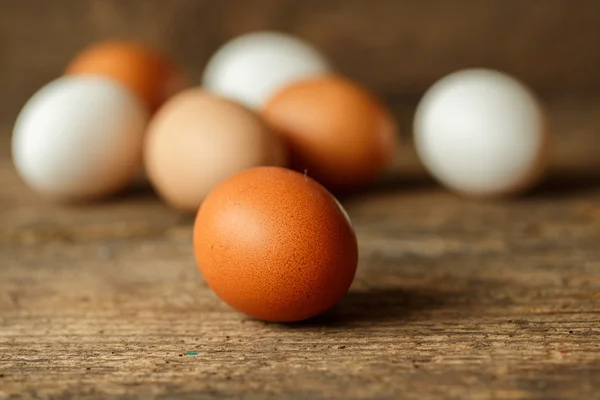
x=454, y=298
x=396, y=47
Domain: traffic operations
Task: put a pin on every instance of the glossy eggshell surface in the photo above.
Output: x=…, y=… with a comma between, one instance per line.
x=336, y=130
x=275, y=245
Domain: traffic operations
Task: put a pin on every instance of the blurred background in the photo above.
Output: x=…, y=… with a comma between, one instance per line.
x=396, y=47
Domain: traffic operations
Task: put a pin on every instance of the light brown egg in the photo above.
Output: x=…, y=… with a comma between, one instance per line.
x=196, y=140
x=275, y=245
x=150, y=75
x=336, y=130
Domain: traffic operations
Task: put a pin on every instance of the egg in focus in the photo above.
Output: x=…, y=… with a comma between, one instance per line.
x=275, y=245
x=196, y=140
x=250, y=68
x=335, y=129
x=146, y=72
x=79, y=138
x=482, y=133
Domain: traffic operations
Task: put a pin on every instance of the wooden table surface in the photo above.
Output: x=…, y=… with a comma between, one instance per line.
x=453, y=298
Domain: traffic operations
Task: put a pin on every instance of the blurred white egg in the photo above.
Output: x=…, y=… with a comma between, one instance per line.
x=251, y=68
x=79, y=137
x=482, y=133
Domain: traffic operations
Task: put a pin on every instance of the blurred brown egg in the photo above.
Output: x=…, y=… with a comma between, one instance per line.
x=275, y=245
x=196, y=140
x=336, y=130
x=150, y=75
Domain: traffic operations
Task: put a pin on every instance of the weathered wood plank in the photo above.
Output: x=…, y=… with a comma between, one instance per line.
x=453, y=298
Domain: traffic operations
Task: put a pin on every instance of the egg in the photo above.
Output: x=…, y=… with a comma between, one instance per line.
x=275, y=245
x=79, y=138
x=251, y=68
x=336, y=130
x=482, y=133
x=197, y=139
x=149, y=74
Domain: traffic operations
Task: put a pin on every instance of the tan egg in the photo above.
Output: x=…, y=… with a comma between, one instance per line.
x=275, y=245
x=144, y=71
x=336, y=130
x=196, y=140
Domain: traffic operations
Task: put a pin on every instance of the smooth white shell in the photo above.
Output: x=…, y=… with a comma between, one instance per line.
x=482, y=133
x=79, y=137
x=251, y=68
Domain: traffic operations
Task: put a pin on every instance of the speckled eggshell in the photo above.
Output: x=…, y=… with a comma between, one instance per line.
x=275, y=245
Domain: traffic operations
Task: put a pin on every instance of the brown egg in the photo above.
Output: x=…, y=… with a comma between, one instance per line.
x=151, y=76
x=196, y=140
x=336, y=130
x=275, y=245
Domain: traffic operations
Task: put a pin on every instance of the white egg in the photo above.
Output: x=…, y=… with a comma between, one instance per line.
x=79, y=138
x=251, y=68
x=482, y=133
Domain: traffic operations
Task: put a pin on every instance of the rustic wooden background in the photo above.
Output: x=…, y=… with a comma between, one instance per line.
x=453, y=299
x=551, y=44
